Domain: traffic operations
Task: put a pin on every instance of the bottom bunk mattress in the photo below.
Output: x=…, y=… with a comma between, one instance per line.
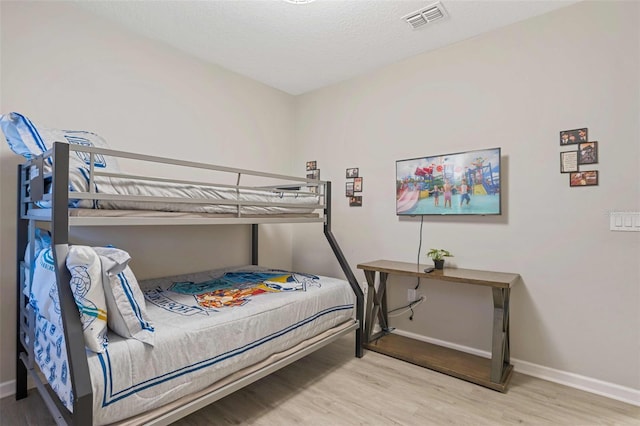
x=208, y=326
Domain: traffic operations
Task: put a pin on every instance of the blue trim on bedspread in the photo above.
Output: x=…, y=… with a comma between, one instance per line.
x=110, y=397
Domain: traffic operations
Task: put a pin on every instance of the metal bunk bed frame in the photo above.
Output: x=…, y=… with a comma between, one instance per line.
x=32, y=180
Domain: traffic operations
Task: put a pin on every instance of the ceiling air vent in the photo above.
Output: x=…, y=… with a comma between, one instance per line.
x=425, y=16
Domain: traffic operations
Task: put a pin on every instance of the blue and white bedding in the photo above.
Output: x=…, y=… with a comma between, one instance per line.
x=208, y=326
x=50, y=354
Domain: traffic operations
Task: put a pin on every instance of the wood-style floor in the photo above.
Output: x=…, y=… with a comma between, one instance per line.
x=332, y=387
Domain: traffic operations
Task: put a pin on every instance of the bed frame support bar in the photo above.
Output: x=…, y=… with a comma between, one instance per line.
x=254, y=244
x=346, y=269
x=21, y=368
x=74, y=338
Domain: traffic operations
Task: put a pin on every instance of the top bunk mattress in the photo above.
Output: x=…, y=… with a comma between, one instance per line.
x=128, y=194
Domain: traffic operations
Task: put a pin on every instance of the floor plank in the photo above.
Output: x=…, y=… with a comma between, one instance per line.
x=332, y=387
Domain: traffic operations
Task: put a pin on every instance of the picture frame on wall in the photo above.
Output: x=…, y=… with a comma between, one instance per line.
x=355, y=201
x=352, y=172
x=588, y=153
x=314, y=174
x=568, y=161
x=312, y=165
x=357, y=184
x=349, y=189
x=575, y=136
x=588, y=178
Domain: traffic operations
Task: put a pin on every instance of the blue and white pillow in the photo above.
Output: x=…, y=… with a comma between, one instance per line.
x=86, y=284
x=22, y=135
x=27, y=139
x=125, y=301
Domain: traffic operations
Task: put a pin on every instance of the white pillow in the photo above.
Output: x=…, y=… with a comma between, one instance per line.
x=125, y=301
x=86, y=284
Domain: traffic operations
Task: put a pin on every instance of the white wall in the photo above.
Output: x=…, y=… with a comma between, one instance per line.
x=65, y=68
x=577, y=309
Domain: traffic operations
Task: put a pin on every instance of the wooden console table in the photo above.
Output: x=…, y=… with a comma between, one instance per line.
x=493, y=373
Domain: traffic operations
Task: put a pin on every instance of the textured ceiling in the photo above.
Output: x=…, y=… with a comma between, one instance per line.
x=299, y=48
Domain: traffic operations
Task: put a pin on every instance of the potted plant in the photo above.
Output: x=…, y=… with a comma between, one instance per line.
x=438, y=256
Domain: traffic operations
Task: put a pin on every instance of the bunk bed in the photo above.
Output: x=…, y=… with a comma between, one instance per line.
x=67, y=185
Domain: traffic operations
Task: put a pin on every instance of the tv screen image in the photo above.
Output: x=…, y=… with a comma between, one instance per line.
x=463, y=183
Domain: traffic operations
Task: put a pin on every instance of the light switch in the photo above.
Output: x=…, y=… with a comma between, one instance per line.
x=624, y=221
x=618, y=220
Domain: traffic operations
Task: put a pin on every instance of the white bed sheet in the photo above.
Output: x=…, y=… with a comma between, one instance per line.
x=196, y=346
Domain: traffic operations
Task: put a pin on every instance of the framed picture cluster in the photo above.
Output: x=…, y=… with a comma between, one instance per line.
x=313, y=172
x=585, y=153
x=353, y=186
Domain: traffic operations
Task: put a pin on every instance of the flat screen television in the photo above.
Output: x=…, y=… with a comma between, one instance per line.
x=463, y=183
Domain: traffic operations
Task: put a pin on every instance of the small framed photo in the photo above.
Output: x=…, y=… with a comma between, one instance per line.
x=355, y=201
x=353, y=172
x=568, y=161
x=588, y=153
x=312, y=165
x=349, y=189
x=357, y=184
x=572, y=137
x=588, y=178
x=314, y=174
x=313, y=189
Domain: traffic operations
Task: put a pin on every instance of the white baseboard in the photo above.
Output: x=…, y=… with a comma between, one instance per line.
x=7, y=388
x=588, y=384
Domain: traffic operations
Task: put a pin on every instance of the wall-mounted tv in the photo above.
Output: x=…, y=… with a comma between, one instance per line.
x=463, y=183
